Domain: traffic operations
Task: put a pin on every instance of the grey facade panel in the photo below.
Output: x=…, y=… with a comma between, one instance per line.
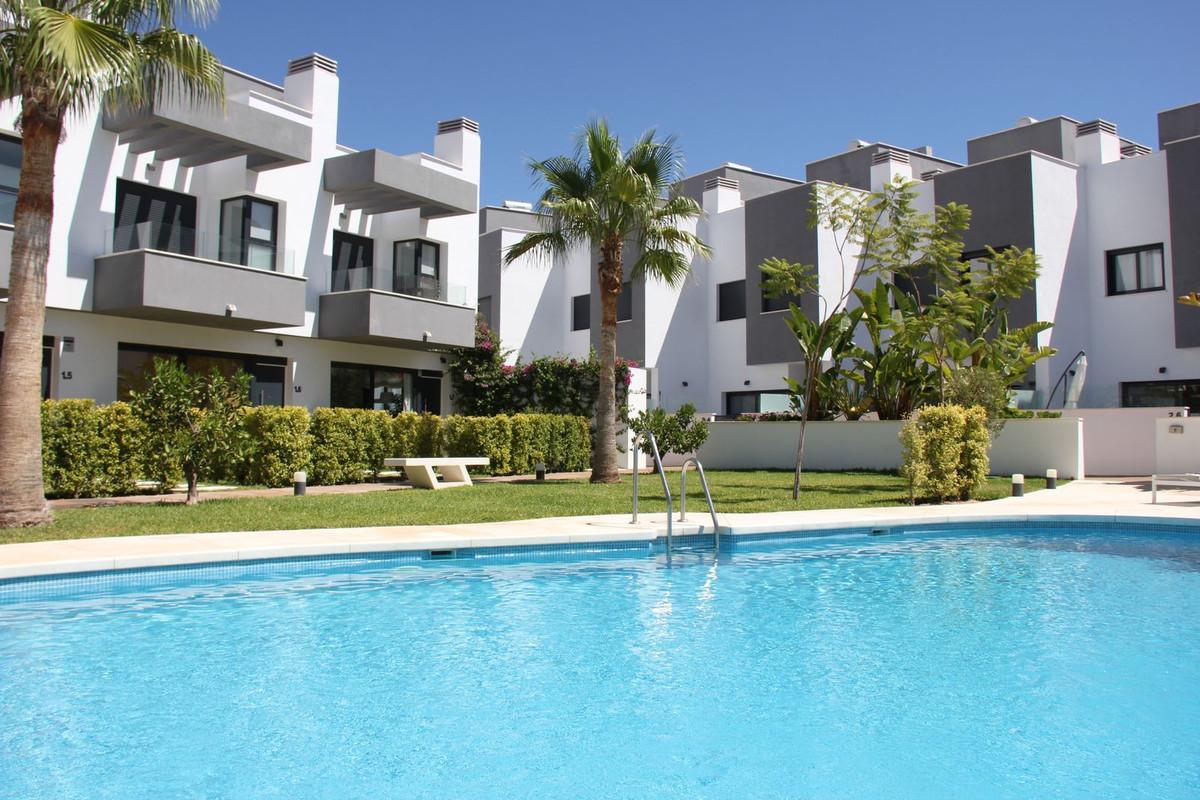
x=149, y=284
x=491, y=267
x=376, y=182
x=198, y=134
x=752, y=184
x=1183, y=195
x=369, y=316
x=853, y=168
x=1000, y=196
x=776, y=227
x=631, y=334
x=1178, y=123
x=492, y=218
x=1054, y=137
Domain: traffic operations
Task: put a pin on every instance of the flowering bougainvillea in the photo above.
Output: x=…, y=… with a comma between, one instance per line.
x=484, y=385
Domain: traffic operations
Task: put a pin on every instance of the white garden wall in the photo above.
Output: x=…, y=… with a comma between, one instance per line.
x=1026, y=446
x=1120, y=441
x=1177, y=444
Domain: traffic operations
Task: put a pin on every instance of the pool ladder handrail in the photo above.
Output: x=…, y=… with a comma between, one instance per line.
x=662, y=474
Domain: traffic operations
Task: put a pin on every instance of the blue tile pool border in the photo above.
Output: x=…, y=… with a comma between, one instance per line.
x=58, y=585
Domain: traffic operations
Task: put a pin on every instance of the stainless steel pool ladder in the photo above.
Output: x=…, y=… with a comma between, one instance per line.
x=662, y=474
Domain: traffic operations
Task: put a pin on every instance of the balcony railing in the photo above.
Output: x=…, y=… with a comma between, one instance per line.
x=185, y=241
x=426, y=288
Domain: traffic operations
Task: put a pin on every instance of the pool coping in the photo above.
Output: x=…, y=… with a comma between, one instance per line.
x=101, y=554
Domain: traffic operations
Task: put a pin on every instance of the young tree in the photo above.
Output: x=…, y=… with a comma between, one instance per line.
x=192, y=421
x=681, y=432
x=608, y=198
x=57, y=58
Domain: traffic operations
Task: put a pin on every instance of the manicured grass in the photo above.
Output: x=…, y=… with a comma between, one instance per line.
x=733, y=491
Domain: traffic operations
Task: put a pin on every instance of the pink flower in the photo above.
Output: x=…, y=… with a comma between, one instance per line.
x=507, y=369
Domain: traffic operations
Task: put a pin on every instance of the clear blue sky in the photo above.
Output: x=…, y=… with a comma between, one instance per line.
x=769, y=84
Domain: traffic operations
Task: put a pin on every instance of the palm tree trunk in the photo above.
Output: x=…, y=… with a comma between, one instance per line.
x=22, y=495
x=604, y=448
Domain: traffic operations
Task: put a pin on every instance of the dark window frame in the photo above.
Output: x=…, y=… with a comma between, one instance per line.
x=623, y=305
x=756, y=393
x=344, y=238
x=1110, y=265
x=415, y=275
x=576, y=306
x=1176, y=384
x=734, y=291
x=244, y=239
x=249, y=362
x=187, y=204
x=6, y=190
x=372, y=369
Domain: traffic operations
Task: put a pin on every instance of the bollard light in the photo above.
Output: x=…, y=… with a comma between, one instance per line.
x=539, y=471
x=299, y=481
x=1051, y=479
x=1018, y=485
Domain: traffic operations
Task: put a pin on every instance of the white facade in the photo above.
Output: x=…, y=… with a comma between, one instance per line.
x=1077, y=200
x=276, y=144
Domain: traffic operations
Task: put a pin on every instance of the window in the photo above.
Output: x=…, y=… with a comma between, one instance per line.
x=780, y=303
x=581, y=312
x=385, y=388
x=625, y=303
x=248, y=235
x=1162, y=393
x=47, y=361
x=731, y=300
x=155, y=219
x=416, y=268
x=778, y=400
x=135, y=363
x=10, y=176
x=1135, y=269
x=353, y=262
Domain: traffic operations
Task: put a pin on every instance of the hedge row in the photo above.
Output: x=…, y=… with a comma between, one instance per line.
x=95, y=451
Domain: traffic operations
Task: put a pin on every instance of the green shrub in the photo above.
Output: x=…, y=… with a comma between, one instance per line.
x=945, y=452
x=348, y=444
x=481, y=436
x=90, y=450
x=280, y=444
x=682, y=432
x=571, y=449
x=416, y=435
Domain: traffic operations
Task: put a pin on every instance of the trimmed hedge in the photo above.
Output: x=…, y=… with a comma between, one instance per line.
x=94, y=451
x=280, y=444
x=90, y=450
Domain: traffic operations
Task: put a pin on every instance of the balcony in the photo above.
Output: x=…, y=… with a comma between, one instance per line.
x=373, y=316
x=377, y=182
x=267, y=131
x=6, y=239
x=174, y=274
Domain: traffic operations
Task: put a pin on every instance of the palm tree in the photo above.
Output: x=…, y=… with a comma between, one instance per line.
x=608, y=198
x=59, y=57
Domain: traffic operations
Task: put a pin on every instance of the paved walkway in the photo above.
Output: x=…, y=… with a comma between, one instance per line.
x=1100, y=499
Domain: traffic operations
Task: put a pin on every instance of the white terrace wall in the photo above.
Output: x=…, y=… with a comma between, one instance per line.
x=1026, y=446
x=1120, y=441
x=1177, y=445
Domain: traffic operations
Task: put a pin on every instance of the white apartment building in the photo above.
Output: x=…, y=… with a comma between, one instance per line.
x=249, y=238
x=1115, y=223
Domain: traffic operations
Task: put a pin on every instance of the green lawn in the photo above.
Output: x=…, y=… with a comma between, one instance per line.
x=733, y=491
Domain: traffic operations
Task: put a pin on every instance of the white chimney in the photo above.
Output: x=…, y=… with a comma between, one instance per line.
x=1097, y=142
x=886, y=165
x=721, y=194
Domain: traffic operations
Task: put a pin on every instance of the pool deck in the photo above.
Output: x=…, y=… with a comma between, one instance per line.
x=1105, y=499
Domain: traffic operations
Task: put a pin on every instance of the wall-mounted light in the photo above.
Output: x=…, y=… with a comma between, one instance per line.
x=68, y=344
x=1162, y=370
x=426, y=336
x=685, y=383
x=230, y=310
x=278, y=342
x=745, y=383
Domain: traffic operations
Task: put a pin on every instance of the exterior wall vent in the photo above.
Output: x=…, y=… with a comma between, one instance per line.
x=721, y=183
x=930, y=174
x=1133, y=150
x=312, y=61
x=449, y=125
x=887, y=154
x=1096, y=126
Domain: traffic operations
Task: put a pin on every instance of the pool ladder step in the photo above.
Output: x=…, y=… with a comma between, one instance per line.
x=662, y=474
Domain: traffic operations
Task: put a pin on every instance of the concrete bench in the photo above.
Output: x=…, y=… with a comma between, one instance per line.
x=421, y=470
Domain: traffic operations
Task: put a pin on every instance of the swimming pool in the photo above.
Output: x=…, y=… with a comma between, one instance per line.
x=1009, y=663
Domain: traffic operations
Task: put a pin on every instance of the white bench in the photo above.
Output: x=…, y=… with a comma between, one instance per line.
x=421, y=470
x=1190, y=480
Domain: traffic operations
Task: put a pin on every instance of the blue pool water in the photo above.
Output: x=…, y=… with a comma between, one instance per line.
x=1015, y=664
